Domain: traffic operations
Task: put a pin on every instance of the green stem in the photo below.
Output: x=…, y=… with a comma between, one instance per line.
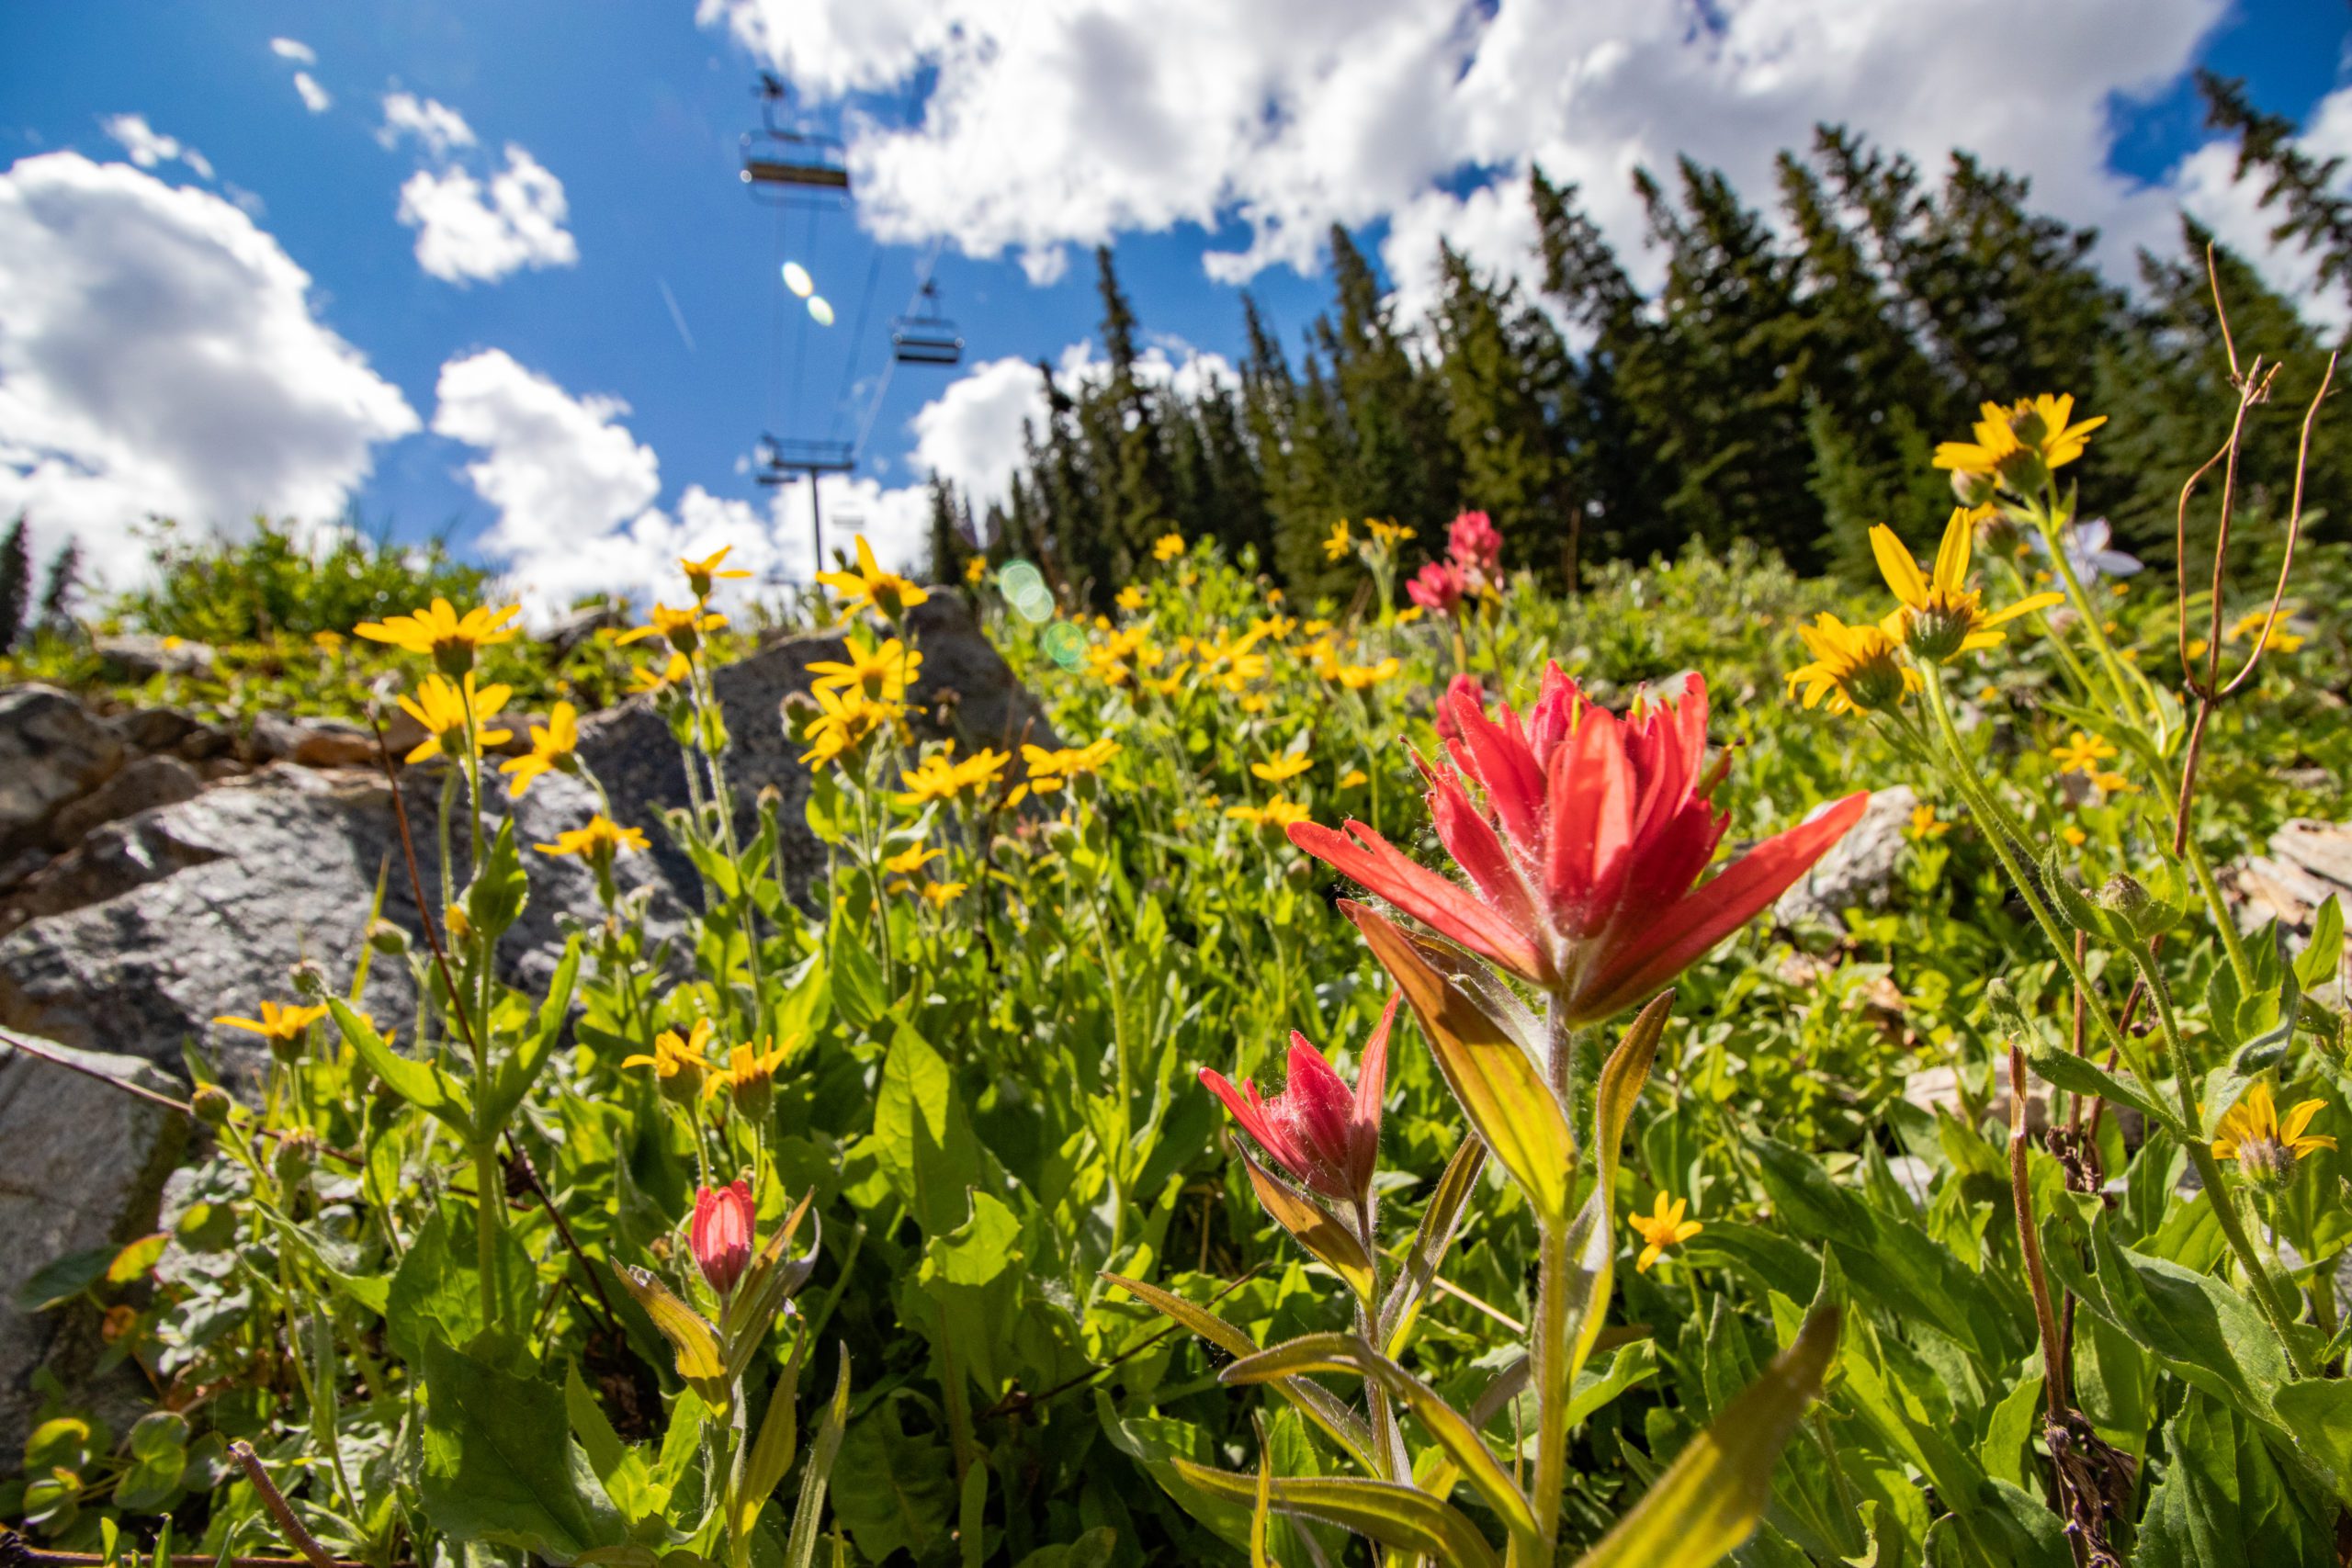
x=2045, y=517
x=1550, y=1354
x=490, y=1188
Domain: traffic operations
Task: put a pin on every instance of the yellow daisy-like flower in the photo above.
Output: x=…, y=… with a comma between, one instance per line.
x=1354, y=778
x=1662, y=1227
x=2112, y=783
x=976, y=568
x=553, y=749
x=869, y=587
x=880, y=674
x=1360, y=677
x=749, y=1076
x=1167, y=547
x=598, y=843
x=844, y=722
x=1409, y=614
x=443, y=706
x=2020, y=445
x=678, y=1062
x=1391, y=532
x=1131, y=599
x=1340, y=542
x=646, y=678
x=441, y=633
x=1282, y=769
x=1049, y=770
x=331, y=641
x=2266, y=1148
x=2081, y=753
x=701, y=574
x=2073, y=836
x=683, y=628
x=907, y=861
x=1277, y=813
x=939, y=894
x=1942, y=616
x=2256, y=622
x=1923, y=824
x=1858, y=669
x=283, y=1027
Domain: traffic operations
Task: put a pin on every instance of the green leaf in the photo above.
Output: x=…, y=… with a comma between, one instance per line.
x=893, y=1491
x=422, y=1084
x=494, y=901
x=2315, y=966
x=2318, y=1411
x=1312, y=1227
x=1441, y=1221
x=436, y=1291
x=1394, y=1515
x=498, y=1465
x=1314, y=1401
x=134, y=1261
x=1497, y=1083
x=857, y=979
x=61, y=1279
x=1711, y=1497
x=628, y=1480
x=2223, y=1503
x=921, y=1136
x=514, y=1075
x=2080, y=1074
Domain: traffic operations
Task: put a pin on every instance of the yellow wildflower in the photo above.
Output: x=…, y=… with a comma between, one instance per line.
x=701, y=574
x=939, y=894
x=683, y=628
x=880, y=673
x=449, y=640
x=1282, y=769
x=2266, y=1148
x=673, y=673
x=1942, y=616
x=283, y=1027
x=598, y=843
x=844, y=721
x=2020, y=445
x=1167, y=547
x=2081, y=753
x=1131, y=599
x=553, y=749
x=1276, y=813
x=887, y=592
x=2255, y=622
x=444, y=707
x=678, y=1062
x=1357, y=677
x=1390, y=533
x=1923, y=824
x=976, y=568
x=907, y=861
x=749, y=1076
x=1354, y=778
x=1859, y=669
x=2112, y=783
x=1662, y=1227
x=1339, y=542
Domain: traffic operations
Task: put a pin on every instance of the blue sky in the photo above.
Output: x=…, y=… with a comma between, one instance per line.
x=1089, y=124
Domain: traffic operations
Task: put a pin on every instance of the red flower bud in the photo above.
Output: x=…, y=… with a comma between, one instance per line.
x=721, y=1233
x=1437, y=589
x=1477, y=550
x=1323, y=1132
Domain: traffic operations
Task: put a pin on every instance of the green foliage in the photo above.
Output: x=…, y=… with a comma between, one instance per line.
x=276, y=581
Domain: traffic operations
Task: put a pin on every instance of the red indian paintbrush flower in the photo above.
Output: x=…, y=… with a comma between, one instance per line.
x=721, y=1233
x=1583, y=854
x=1478, y=551
x=1437, y=588
x=1325, y=1133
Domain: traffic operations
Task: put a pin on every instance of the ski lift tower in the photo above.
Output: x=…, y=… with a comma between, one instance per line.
x=781, y=462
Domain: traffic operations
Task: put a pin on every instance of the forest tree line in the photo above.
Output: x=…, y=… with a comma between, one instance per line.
x=1785, y=384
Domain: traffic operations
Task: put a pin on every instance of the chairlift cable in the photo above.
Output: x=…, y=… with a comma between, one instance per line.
x=856, y=345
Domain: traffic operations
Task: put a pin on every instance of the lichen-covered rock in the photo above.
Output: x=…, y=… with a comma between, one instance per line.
x=143, y=784
x=52, y=749
x=1859, y=870
x=143, y=658
x=2310, y=862
x=85, y=1165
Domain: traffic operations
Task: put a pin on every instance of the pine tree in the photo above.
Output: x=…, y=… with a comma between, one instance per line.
x=16, y=585
x=2315, y=214
x=1124, y=427
x=1504, y=372
x=65, y=582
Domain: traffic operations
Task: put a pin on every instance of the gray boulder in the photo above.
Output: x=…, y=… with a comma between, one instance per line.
x=1859, y=870
x=86, y=1166
x=141, y=785
x=141, y=658
x=52, y=749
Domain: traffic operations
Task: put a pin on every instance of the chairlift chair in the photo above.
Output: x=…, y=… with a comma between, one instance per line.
x=780, y=162
x=782, y=461
x=926, y=337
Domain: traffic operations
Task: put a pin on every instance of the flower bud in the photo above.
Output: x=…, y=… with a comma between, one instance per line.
x=211, y=1104
x=1972, y=489
x=721, y=1233
x=297, y=1151
x=2266, y=1162
x=387, y=938
x=310, y=981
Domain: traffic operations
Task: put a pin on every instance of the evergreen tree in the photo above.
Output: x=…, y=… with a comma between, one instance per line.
x=2314, y=211
x=65, y=582
x=1505, y=372
x=16, y=585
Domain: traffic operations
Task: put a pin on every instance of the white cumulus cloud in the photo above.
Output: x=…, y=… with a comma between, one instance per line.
x=1052, y=125
x=575, y=493
x=469, y=231
x=431, y=121
x=149, y=148
x=159, y=355
x=315, y=98
x=295, y=50
x=2210, y=194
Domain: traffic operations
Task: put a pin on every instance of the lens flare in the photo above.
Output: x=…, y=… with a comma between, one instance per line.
x=797, y=278
x=820, y=310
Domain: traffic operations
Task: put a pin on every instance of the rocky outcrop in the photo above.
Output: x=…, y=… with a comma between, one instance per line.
x=2310, y=862
x=52, y=750
x=86, y=1165
x=1859, y=870
x=174, y=906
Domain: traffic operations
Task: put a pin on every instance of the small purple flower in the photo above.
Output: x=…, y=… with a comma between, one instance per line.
x=2088, y=553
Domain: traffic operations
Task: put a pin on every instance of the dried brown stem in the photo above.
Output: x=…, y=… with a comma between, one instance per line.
x=140, y=1091
x=279, y=1509
x=17, y=1553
